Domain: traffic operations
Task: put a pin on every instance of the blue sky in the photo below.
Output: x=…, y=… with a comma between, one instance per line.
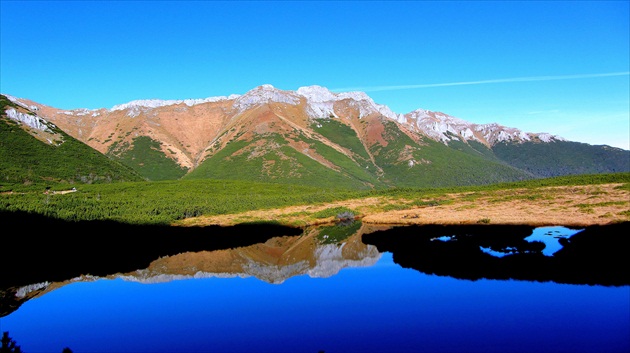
x=560, y=66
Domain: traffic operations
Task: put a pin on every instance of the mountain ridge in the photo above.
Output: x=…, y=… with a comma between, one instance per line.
x=320, y=105
x=306, y=135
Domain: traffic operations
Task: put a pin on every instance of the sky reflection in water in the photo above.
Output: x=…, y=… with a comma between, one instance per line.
x=550, y=236
x=379, y=308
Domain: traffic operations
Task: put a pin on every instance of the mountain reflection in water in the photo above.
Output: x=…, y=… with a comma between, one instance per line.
x=251, y=288
x=241, y=251
x=594, y=255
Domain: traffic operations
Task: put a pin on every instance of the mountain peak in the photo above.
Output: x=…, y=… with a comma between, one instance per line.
x=265, y=94
x=265, y=87
x=316, y=94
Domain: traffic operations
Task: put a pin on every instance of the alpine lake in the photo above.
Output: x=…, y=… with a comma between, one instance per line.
x=345, y=287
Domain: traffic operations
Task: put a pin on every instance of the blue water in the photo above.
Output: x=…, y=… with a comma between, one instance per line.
x=381, y=308
x=551, y=236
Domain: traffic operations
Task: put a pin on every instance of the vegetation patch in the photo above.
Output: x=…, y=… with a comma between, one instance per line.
x=332, y=212
x=466, y=207
x=342, y=135
x=338, y=233
x=601, y=204
x=526, y=197
x=430, y=203
x=623, y=187
x=396, y=207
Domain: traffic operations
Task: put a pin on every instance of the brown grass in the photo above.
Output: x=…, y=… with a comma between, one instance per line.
x=564, y=205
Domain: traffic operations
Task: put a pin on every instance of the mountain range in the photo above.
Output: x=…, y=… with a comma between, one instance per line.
x=308, y=136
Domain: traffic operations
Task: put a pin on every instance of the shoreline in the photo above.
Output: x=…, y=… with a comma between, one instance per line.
x=571, y=206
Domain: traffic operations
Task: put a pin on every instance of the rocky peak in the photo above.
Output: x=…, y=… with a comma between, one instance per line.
x=441, y=127
x=445, y=128
x=317, y=94
x=321, y=101
x=263, y=95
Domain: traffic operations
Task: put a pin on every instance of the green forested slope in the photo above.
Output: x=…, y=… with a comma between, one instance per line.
x=25, y=159
x=144, y=156
x=558, y=158
x=437, y=165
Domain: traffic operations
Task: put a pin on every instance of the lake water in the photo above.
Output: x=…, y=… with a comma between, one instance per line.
x=341, y=288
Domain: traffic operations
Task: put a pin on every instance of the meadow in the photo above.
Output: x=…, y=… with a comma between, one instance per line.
x=166, y=202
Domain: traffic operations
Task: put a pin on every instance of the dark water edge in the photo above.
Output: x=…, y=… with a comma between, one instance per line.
x=597, y=255
x=36, y=248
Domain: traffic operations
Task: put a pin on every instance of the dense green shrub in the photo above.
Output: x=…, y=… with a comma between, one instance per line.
x=164, y=202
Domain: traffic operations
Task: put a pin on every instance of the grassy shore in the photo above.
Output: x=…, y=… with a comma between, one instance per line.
x=581, y=205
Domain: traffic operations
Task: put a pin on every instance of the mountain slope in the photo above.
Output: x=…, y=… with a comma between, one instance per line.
x=429, y=163
x=33, y=150
x=562, y=158
x=317, y=137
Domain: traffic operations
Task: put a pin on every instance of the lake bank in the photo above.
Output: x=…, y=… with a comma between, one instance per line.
x=573, y=206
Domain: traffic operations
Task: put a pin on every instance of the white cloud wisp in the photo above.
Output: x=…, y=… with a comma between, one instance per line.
x=480, y=82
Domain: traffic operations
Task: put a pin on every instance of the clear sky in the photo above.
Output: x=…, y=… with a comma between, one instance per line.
x=560, y=66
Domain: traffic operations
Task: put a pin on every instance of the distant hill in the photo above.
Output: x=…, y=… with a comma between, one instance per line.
x=562, y=158
x=312, y=136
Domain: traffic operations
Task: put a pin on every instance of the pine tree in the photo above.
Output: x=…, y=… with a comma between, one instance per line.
x=9, y=345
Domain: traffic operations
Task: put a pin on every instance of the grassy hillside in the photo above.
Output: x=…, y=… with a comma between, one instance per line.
x=269, y=158
x=343, y=136
x=145, y=156
x=545, y=160
x=437, y=165
x=25, y=159
x=432, y=164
